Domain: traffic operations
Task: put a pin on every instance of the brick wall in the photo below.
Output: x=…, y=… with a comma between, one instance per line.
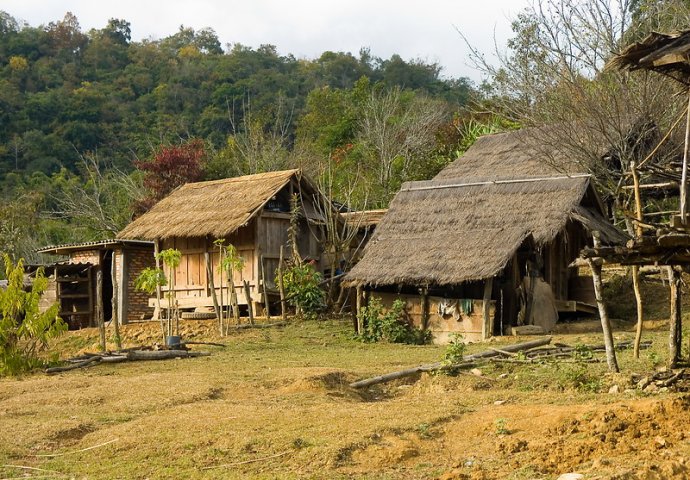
x=86, y=256
x=137, y=302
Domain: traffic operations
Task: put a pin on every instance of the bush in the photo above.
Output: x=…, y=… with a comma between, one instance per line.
x=24, y=330
x=391, y=326
x=455, y=351
x=301, y=283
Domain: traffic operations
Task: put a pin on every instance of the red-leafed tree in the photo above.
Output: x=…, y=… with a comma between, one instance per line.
x=169, y=168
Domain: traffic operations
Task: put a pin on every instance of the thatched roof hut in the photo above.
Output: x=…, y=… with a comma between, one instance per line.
x=216, y=208
x=450, y=231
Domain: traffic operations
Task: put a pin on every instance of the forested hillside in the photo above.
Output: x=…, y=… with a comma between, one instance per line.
x=83, y=113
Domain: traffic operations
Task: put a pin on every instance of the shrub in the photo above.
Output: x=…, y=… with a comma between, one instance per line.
x=391, y=326
x=301, y=283
x=455, y=351
x=24, y=330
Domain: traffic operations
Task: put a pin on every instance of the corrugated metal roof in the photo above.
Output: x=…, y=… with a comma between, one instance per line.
x=71, y=247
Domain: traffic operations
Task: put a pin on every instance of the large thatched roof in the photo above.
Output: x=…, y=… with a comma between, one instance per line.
x=443, y=232
x=216, y=208
x=509, y=154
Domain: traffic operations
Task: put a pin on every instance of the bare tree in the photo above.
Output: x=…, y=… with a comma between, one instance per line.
x=260, y=141
x=554, y=73
x=101, y=199
x=398, y=131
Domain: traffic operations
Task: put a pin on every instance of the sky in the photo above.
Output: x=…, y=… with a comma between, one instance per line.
x=414, y=29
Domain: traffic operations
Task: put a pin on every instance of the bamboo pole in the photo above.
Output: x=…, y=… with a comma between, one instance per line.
x=675, y=336
x=684, y=177
x=249, y=302
x=281, y=287
x=267, y=308
x=156, y=254
x=115, y=319
x=595, y=266
x=100, y=314
x=212, y=288
x=360, y=320
x=636, y=268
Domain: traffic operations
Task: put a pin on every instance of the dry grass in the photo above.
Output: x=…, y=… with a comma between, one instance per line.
x=275, y=404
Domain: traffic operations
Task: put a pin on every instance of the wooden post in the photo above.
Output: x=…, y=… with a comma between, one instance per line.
x=211, y=285
x=281, y=288
x=675, y=336
x=233, y=298
x=249, y=302
x=487, y=327
x=360, y=320
x=156, y=254
x=115, y=319
x=424, y=292
x=684, y=176
x=265, y=290
x=100, y=314
x=595, y=266
x=636, y=268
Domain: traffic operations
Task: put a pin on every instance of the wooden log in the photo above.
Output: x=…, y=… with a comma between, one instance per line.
x=467, y=360
x=281, y=287
x=137, y=355
x=74, y=366
x=603, y=314
x=250, y=310
x=204, y=343
x=100, y=314
x=246, y=326
x=360, y=318
x=115, y=317
x=675, y=323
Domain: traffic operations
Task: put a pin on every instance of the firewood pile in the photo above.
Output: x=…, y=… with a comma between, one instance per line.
x=560, y=352
x=663, y=381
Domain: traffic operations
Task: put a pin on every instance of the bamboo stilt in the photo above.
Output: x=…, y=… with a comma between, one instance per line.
x=281, y=288
x=249, y=302
x=675, y=336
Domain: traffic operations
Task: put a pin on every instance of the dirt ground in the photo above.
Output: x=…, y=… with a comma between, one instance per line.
x=275, y=403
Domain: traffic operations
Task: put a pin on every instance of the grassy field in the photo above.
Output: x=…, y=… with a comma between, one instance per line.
x=275, y=403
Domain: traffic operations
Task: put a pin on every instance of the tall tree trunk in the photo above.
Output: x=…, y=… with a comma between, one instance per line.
x=595, y=266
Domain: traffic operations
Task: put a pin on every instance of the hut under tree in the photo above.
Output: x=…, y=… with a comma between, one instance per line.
x=471, y=255
x=253, y=214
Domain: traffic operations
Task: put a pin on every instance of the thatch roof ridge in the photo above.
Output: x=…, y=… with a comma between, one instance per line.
x=215, y=208
x=450, y=231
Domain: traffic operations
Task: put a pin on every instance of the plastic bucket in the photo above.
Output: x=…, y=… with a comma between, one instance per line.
x=173, y=341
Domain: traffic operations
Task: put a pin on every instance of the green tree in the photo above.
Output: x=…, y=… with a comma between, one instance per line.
x=24, y=329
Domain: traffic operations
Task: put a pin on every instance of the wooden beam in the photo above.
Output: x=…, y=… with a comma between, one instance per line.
x=487, y=327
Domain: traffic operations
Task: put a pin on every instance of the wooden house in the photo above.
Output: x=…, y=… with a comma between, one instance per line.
x=253, y=214
x=465, y=252
x=74, y=282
